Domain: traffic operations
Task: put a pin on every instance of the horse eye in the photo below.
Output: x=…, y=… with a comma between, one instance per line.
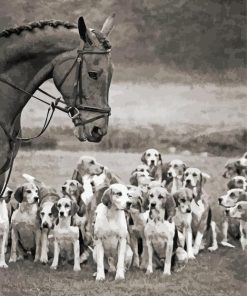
x=93, y=75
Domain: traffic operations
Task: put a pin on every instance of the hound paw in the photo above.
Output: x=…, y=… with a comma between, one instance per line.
x=36, y=260
x=77, y=268
x=136, y=264
x=213, y=248
x=54, y=267
x=191, y=257
x=12, y=258
x=3, y=265
x=44, y=260
x=119, y=275
x=167, y=272
x=149, y=270
x=100, y=277
x=226, y=244
x=195, y=251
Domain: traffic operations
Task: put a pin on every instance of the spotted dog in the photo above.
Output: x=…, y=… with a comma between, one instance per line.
x=25, y=225
x=160, y=230
x=152, y=158
x=176, y=169
x=138, y=211
x=111, y=232
x=230, y=199
x=194, y=179
x=183, y=218
x=4, y=225
x=239, y=211
x=66, y=237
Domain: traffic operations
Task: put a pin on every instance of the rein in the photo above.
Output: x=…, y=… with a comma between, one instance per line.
x=73, y=111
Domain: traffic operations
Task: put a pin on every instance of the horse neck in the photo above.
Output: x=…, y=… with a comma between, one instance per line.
x=27, y=61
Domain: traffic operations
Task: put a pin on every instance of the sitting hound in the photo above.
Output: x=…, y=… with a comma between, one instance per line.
x=66, y=237
x=194, y=179
x=230, y=199
x=152, y=158
x=160, y=230
x=111, y=233
x=176, y=169
x=239, y=211
x=4, y=225
x=25, y=222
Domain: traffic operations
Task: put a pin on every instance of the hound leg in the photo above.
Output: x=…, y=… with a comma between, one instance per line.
x=197, y=242
x=99, y=256
x=2, y=256
x=188, y=235
x=56, y=255
x=44, y=246
x=150, y=257
x=214, y=238
x=121, y=259
x=144, y=255
x=77, y=256
x=169, y=249
x=14, y=236
x=134, y=246
x=224, y=242
x=37, y=245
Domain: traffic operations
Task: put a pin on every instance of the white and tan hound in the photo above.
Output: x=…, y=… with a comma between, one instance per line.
x=153, y=159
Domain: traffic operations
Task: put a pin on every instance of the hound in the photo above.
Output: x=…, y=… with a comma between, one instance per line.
x=139, y=178
x=194, y=179
x=152, y=158
x=4, y=225
x=66, y=236
x=138, y=210
x=239, y=211
x=232, y=169
x=230, y=199
x=243, y=160
x=183, y=218
x=110, y=231
x=25, y=222
x=160, y=230
x=175, y=172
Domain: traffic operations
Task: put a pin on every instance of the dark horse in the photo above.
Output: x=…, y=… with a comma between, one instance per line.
x=81, y=69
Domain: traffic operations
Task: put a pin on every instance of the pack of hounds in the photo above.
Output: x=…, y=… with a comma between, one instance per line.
x=161, y=220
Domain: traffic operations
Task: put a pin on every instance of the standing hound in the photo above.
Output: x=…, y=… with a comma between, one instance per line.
x=4, y=225
x=194, y=179
x=152, y=158
x=66, y=236
x=110, y=231
x=239, y=211
x=230, y=199
x=25, y=225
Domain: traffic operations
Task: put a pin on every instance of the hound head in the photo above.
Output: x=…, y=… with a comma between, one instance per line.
x=137, y=200
x=47, y=215
x=140, y=178
x=232, y=197
x=161, y=200
x=87, y=165
x=176, y=169
x=232, y=168
x=237, y=182
x=116, y=196
x=65, y=208
x=243, y=160
x=194, y=178
x=73, y=189
x=183, y=199
x=28, y=192
x=239, y=211
x=151, y=158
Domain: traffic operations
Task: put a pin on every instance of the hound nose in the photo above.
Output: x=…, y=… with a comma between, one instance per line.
x=45, y=225
x=128, y=204
x=64, y=188
x=169, y=174
x=153, y=205
x=102, y=168
x=220, y=200
x=152, y=162
x=36, y=199
x=61, y=214
x=227, y=211
x=188, y=182
x=188, y=211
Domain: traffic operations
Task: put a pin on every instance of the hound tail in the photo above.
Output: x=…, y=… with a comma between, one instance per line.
x=32, y=179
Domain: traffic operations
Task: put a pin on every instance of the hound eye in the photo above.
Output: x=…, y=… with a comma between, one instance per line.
x=29, y=191
x=42, y=214
x=50, y=214
x=239, y=207
x=91, y=162
x=186, y=174
x=148, y=154
x=93, y=75
x=142, y=170
x=240, y=181
x=232, y=194
x=151, y=195
x=66, y=205
x=156, y=155
x=160, y=197
x=182, y=200
x=59, y=206
x=194, y=175
x=119, y=193
x=175, y=166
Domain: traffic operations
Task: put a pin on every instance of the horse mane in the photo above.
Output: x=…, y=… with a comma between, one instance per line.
x=38, y=24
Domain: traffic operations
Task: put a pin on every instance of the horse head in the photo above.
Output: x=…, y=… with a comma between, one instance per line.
x=83, y=77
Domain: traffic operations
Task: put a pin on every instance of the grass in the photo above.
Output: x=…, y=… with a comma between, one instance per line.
x=211, y=274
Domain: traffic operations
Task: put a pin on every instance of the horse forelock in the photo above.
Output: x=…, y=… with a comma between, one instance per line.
x=38, y=24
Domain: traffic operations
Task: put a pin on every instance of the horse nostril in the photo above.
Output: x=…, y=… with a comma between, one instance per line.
x=97, y=131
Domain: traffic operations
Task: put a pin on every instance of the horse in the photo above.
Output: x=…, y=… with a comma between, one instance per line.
x=80, y=66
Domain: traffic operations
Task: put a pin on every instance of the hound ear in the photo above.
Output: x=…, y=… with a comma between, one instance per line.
x=106, y=198
x=176, y=198
x=145, y=203
x=133, y=179
x=160, y=158
x=54, y=210
x=108, y=25
x=170, y=208
x=143, y=158
x=82, y=208
x=231, y=184
x=19, y=194
x=8, y=195
x=77, y=176
x=74, y=209
x=243, y=196
x=80, y=188
x=204, y=177
x=185, y=166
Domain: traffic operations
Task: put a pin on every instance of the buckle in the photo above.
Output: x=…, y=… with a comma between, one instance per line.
x=73, y=112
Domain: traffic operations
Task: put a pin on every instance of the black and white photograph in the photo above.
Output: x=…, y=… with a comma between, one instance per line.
x=123, y=147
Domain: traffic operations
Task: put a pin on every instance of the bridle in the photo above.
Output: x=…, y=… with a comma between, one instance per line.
x=72, y=110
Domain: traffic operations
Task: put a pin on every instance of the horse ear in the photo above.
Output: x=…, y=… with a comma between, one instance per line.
x=19, y=194
x=74, y=209
x=83, y=31
x=108, y=25
x=54, y=210
x=106, y=199
x=133, y=179
x=143, y=158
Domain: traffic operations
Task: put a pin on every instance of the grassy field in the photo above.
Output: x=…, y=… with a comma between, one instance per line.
x=211, y=274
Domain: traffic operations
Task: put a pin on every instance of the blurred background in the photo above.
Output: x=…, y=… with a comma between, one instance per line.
x=179, y=80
